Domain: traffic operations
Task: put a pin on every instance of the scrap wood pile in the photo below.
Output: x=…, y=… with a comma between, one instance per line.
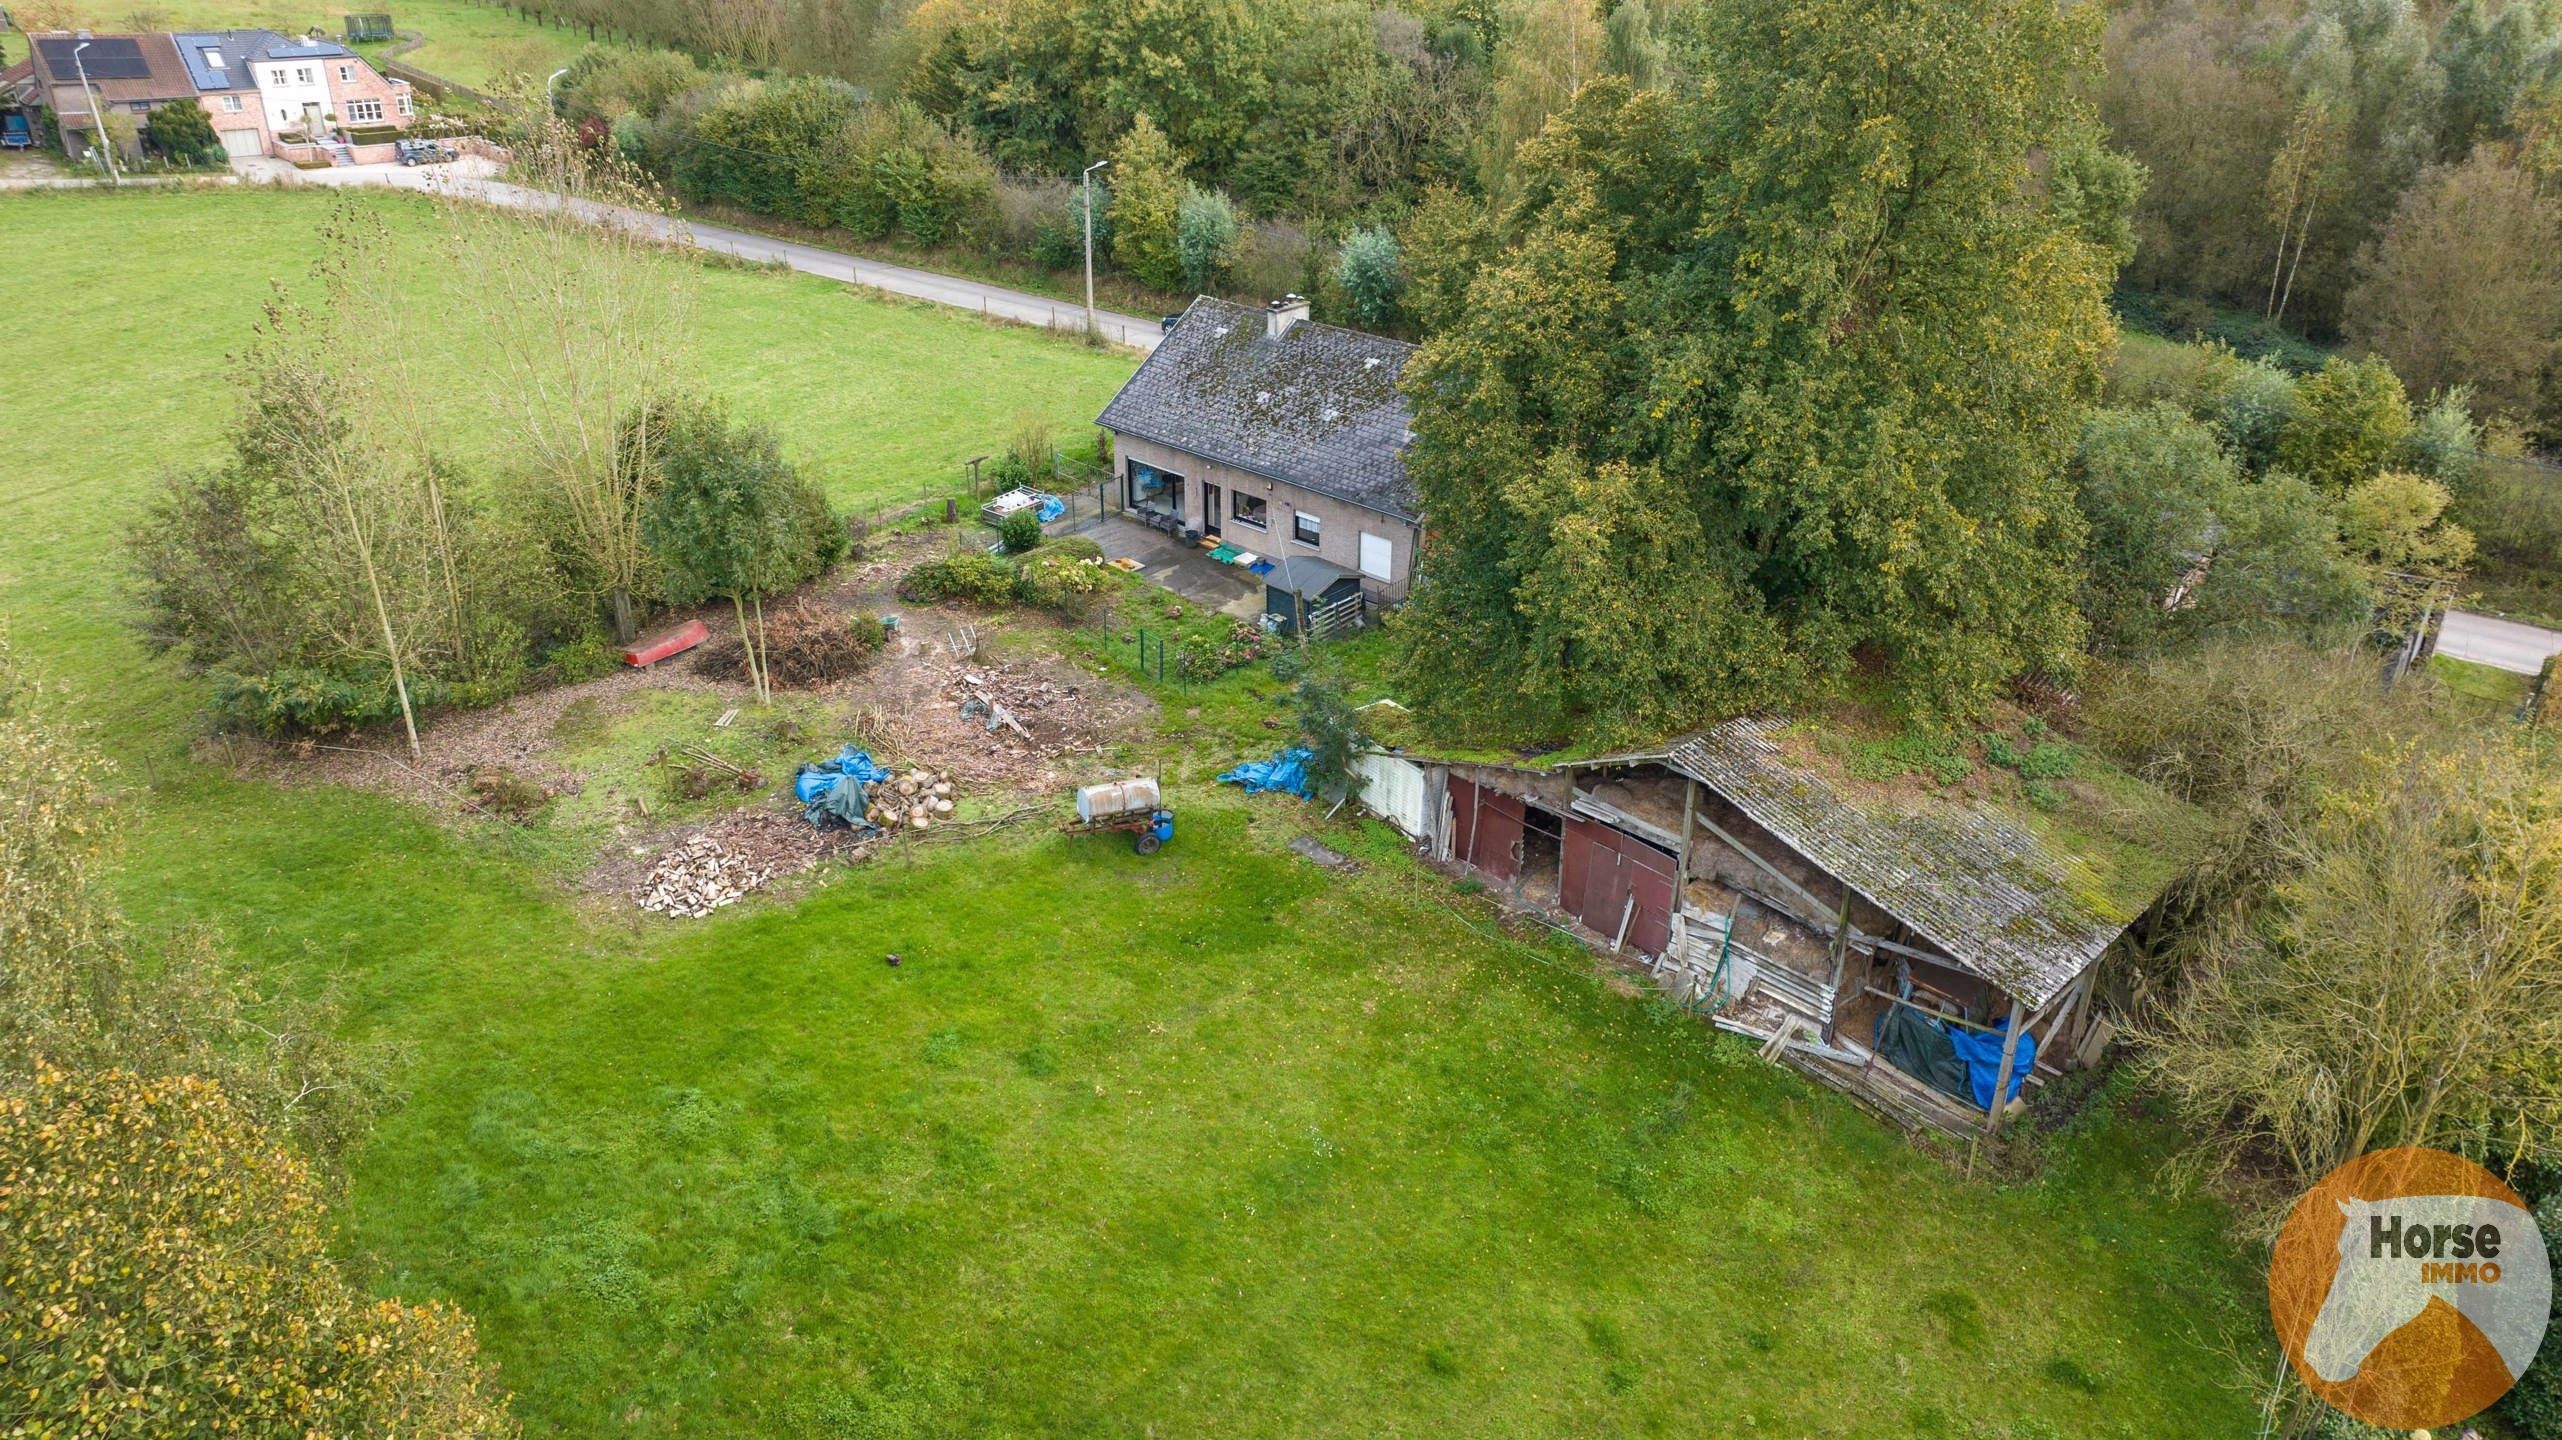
x=918, y=799
x=726, y=859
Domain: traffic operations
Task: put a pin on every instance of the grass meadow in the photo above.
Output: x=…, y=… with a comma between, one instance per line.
x=1214, y=1143
x=471, y=44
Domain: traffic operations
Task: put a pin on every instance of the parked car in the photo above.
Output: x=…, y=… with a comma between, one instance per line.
x=423, y=152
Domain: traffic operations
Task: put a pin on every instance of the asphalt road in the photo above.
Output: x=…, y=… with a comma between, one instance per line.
x=469, y=179
x=2500, y=644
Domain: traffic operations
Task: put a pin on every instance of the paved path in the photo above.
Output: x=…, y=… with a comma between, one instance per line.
x=471, y=179
x=2500, y=644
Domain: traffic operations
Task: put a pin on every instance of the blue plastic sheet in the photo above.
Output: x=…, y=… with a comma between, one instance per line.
x=1982, y=1052
x=834, y=789
x=1051, y=508
x=1287, y=771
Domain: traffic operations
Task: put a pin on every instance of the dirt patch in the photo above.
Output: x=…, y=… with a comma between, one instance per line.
x=515, y=738
x=1017, y=725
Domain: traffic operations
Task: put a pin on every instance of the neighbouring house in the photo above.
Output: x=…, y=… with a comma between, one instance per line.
x=1280, y=436
x=125, y=75
x=300, y=98
x=1881, y=931
x=305, y=99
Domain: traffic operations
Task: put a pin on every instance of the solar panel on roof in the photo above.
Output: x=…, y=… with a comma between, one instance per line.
x=103, y=59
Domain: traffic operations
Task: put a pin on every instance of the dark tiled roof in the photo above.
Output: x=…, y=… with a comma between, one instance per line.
x=2010, y=899
x=241, y=48
x=163, y=77
x=1317, y=408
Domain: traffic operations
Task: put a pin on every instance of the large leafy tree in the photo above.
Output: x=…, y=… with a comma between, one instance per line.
x=729, y=516
x=1768, y=378
x=164, y=1270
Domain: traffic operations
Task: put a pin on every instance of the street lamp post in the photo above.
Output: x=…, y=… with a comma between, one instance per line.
x=1089, y=243
x=106, y=146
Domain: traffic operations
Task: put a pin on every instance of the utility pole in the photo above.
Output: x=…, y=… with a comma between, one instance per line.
x=1088, y=207
x=106, y=145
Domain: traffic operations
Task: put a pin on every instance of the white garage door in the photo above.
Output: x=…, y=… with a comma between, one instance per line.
x=1395, y=792
x=241, y=142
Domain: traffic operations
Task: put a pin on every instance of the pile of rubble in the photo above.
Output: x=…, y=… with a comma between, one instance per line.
x=916, y=799
x=722, y=862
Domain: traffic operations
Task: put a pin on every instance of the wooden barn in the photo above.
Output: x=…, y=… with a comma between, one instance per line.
x=1881, y=933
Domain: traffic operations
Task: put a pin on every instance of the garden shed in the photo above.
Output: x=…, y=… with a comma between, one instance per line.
x=1861, y=922
x=1300, y=589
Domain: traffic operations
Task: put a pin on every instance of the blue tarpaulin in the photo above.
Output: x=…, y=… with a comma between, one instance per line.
x=1051, y=508
x=1982, y=1052
x=833, y=789
x=1285, y=771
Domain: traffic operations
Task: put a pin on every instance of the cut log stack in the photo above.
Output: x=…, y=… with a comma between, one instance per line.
x=916, y=800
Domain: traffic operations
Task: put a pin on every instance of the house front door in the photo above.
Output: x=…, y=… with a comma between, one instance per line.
x=1209, y=509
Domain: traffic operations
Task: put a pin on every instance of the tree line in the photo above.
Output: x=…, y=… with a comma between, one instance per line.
x=342, y=571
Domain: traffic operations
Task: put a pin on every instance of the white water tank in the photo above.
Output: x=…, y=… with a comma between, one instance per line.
x=1114, y=799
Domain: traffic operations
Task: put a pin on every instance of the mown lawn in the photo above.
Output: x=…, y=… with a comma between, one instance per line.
x=1211, y=1144
x=143, y=296
x=472, y=44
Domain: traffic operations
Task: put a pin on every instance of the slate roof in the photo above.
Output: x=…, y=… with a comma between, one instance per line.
x=241, y=47
x=1317, y=408
x=2026, y=903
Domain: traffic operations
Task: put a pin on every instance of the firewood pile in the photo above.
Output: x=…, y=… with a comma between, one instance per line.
x=724, y=861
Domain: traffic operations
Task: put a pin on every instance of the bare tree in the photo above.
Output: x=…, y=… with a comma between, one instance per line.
x=2403, y=984
x=587, y=320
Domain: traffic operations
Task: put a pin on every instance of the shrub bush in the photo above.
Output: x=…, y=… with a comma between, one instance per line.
x=964, y=575
x=1059, y=585
x=584, y=657
x=2535, y=1406
x=308, y=700
x=1021, y=531
x=1074, y=547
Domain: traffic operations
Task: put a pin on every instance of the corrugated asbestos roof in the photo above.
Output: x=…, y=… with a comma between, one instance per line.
x=1317, y=408
x=2005, y=901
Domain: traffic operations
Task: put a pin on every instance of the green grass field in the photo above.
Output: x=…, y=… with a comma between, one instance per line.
x=881, y=400
x=470, y=44
x=1210, y=1144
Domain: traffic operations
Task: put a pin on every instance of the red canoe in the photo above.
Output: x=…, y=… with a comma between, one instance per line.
x=652, y=649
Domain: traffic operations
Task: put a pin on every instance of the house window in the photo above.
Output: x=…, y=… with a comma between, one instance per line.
x=404, y=105
x=1303, y=527
x=1251, y=510
x=302, y=74
x=1378, y=556
x=213, y=57
x=364, y=110
x=231, y=104
x=347, y=74
x=1153, y=489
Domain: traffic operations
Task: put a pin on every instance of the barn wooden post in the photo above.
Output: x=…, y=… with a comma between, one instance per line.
x=1689, y=825
x=1841, y=961
x=2010, y=1052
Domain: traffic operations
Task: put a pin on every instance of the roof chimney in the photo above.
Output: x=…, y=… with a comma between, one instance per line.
x=1283, y=313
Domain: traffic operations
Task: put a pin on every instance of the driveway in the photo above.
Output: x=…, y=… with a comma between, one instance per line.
x=473, y=178
x=2500, y=644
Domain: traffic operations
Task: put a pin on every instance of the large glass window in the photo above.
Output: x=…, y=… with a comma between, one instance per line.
x=1154, y=489
x=1251, y=510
